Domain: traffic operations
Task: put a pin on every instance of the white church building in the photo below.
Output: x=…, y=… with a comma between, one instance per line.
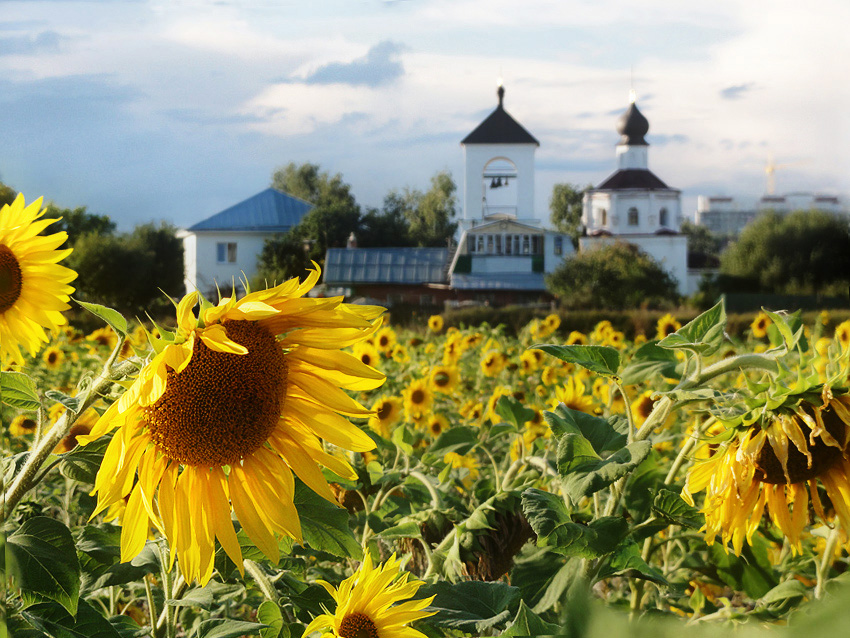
x=634, y=205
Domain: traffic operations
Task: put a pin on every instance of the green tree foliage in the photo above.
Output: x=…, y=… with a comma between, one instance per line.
x=385, y=227
x=704, y=246
x=565, y=206
x=7, y=194
x=804, y=252
x=129, y=272
x=615, y=277
x=78, y=222
x=430, y=213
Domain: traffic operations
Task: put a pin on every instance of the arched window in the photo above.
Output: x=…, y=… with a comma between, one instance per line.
x=662, y=217
x=603, y=217
x=633, y=216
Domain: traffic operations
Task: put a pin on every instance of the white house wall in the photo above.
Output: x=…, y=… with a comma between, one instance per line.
x=206, y=271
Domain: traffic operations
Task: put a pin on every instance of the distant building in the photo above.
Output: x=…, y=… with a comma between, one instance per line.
x=224, y=248
x=635, y=205
x=730, y=215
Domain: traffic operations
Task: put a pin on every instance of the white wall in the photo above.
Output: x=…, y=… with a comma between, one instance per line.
x=476, y=157
x=206, y=271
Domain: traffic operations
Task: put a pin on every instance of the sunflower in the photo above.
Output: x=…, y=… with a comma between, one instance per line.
x=530, y=360
x=573, y=395
x=666, y=325
x=466, y=463
x=435, y=323
x=385, y=339
x=104, y=337
x=776, y=462
x=82, y=427
x=53, y=357
x=399, y=354
x=490, y=412
x=436, y=424
x=224, y=413
x=22, y=425
x=368, y=354
x=444, y=378
x=34, y=288
x=492, y=363
x=842, y=334
x=552, y=323
x=642, y=407
x=576, y=338
x=386, y=413
x=368, y=604
x=417, y=398
x=759, y=325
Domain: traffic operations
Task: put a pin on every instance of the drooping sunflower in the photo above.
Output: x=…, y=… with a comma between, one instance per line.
x=232, y=403
x=435, y=323
x=387, y=412
x=34, y=288
x=759, y=325
x=444, y=378
x=369, y=604
x=777, y=459
x=666, y=325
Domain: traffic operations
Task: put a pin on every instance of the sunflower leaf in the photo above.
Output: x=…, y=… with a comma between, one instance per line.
x=72, y=403
x=83, y=462
x=54, y=620
x=704, y=334
x=226, y=628
x=513, y=411
x=17, y=390
x=648, y=361
x=457, y=439
x=110, y=316
x=605, y=435
x=325, y=526
x=269, y=614
x=471, y=606
x=527, y=623
x=670, y=506
x=43, y=562
x=602, y=360
x=594, y=475
x=626, y=561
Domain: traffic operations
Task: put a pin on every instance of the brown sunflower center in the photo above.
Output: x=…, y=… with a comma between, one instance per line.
x=357, y=626
x=221, y=406
x=52, y=357
x=366, y=358
x=669, y=328
x=441, y=379
x=644, y=407
x=385, y=410
x=823, y=456
x=417, y=397
x=11, y=278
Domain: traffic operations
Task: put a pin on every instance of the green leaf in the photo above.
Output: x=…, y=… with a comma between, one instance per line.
x=471, y=606
x=407, y=529
x=325, y=526
x=590, y=477
x=704, y=334
x=626, y=561
x=790, y=327
x=574, y=451
x=670, y=506
x=17, y=390
x=752, y=572
x=72, y=403
x=648, y=361
x=602, y=360
x=513, y=411
x=527, y=623
x=225, y=628
x=110, y=316
x=456, y=439
x=55, y=621
x=83, y=462
x=43, y=562
x=269, y=614
x=549, y=518
x=127, y=627
x=605, y=435
x=196, y=597
x=789, y=591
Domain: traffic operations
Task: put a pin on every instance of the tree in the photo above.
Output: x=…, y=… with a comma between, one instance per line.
x=615, y=277
x=77, y=222
x=565, y=206
x=430, y=213
x=385, y=227
x=7, y=195
x=804, y=252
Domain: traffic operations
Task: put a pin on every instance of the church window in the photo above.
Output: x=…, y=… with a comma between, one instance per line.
x=526, y=244
x=603, y=217
x=498, y=244
x=536, y=244
x=480, y=248
x=470, y=244
x=559, y=245
x=489, y=244
x=633, y=216
x=663, y=217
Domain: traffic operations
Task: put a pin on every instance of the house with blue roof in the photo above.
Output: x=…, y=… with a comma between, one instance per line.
x=224, y=248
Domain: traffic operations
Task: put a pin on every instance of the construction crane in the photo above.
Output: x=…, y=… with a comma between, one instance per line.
x=770, y=171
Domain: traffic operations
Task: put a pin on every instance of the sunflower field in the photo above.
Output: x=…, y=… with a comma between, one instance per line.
x=281, y=465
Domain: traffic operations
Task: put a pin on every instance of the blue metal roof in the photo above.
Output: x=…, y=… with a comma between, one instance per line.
x=499, y=281
x=270, y=210
x=386, y=265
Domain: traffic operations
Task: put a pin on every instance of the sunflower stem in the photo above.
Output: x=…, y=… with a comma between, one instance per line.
x=436, y=501
x=26, y=478
x=167, y=591
x=826, y=562
x=156, y=631
x=261, y=579
x=699, y=428
x=629, y=417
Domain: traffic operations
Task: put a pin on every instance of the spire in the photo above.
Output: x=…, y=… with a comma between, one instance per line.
x=632, y=125
x=501, y=93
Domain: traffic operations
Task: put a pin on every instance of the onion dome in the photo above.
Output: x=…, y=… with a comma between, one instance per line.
x=632, y=126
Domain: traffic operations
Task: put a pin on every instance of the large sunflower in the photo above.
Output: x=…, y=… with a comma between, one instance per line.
x=368, y=604
x=776, y=462
x=34, y=288
x=228, y=407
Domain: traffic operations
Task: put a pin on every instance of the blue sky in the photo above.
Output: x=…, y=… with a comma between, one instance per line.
x=176, y=109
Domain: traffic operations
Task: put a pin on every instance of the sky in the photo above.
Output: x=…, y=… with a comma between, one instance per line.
x=148, y=110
